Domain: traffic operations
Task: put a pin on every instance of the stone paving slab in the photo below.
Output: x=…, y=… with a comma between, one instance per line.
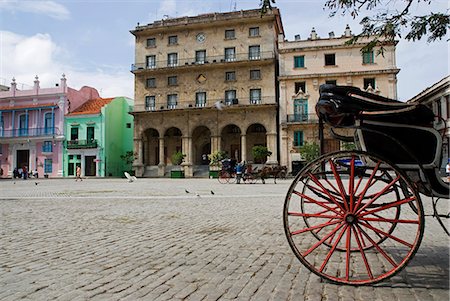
x=107, y=239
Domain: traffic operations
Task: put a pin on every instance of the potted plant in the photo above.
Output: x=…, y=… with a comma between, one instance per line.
x=177, y=159
x=215, y=163
x=128, y=159
x=260, y=153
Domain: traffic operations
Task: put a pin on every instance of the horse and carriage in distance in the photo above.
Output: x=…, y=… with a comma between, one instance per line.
x=233, y=172
x=357, y=217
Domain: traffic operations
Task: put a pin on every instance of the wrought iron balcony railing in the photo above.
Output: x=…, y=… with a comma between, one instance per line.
x=239, y=57
x=302, y=118
x=29, y=132
x=71, y=144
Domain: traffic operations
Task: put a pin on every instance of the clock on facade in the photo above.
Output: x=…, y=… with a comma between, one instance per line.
x=201, y=37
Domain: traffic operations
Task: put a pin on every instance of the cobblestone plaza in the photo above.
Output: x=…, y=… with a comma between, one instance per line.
x=173, y=239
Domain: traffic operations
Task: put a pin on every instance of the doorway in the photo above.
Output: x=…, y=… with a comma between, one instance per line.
x=90, y=166
x=23, y=158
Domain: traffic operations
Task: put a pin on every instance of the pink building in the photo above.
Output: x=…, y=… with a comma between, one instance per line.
x=31, y=126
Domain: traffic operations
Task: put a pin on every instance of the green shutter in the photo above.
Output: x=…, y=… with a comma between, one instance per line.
x=299, y=61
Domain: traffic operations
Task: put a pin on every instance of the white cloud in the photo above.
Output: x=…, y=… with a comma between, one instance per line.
x=48, y=8
x=24, y=57
x=168, y=8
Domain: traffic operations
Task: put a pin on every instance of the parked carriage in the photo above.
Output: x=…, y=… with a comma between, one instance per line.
x=356, y=217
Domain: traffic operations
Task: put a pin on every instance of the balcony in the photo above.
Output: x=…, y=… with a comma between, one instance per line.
x=75, y=144
x=302, y=118
x=29, y=132
x=211, y=60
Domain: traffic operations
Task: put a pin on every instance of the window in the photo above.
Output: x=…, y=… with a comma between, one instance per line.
x=230, y=97
x=298, y=138
x=300, y=85
x=367, y=57
x=150, y=103
x=172, y=81
x=331, y=82
x=255, y=96
x=230, y=76
x=48, y=123
x=172, y=100
x=150, y=61
x=74, y=133
x=330, y=59
x=173, y=40
x=200, y=56
x=253, y=32
x=90, y=134
x=151, y=42
x=48, y=166
x=1, y=125
x=128, y=125
x=172, y=59
x=255, y=74
x=47, y=147
x=300, y=110
x=229, y=34
x=254, y=52
x=369, y=82
x=151, y=82
x=230, y=54
x=1, y=149
x=23, y=125
x=299, y=61
x=200, y=99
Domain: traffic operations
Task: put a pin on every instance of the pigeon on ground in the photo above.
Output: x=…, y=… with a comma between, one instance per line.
x=186, y=191
x=212, y=192
x=197, y=195
x=35, y=183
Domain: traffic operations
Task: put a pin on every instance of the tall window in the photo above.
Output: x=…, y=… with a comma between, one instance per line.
x=255, y=96
x=253, y=32
x=230, y=97
x=48, y=168
x=230, y=76
x=150, y=61
x=172, y=59
x=172, y=80
x=367, y=57
x=298, y=138
x=330, y=59
x=74, y=133
x=151, y=42
x=151, y=82
x=369, y=82
x=150, y=103
x=48, y=123
x=200, y=56
x=90, y=134
x=300, y=85
x=299, y=61
x=47, y=147
x=23, y=124
x=173, y=40
x=200, y=99
x=172, y=100
x=254, y=52
x=300, y=110
x=229, y=34
x=255, y=74
x=1, y=125
x=230, y=54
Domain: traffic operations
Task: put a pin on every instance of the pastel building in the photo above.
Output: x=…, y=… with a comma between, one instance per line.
x=97, y=134
x=32, y=126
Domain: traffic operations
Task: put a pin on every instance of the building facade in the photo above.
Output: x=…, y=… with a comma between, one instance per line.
x=307, y=64
x=98, y=133
x=32, y=126
x=204, y=84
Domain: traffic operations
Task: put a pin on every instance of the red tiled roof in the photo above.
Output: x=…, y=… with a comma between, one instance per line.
x=92, y=106
x=28, y=106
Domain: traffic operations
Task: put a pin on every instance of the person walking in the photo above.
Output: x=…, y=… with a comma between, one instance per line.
x=78, y=174
x=447, y=170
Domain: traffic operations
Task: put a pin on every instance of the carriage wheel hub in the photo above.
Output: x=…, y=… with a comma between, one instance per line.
x=350, y=218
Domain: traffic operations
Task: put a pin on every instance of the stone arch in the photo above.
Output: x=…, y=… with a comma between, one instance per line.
x=201, y=145
x=172, y=143
x=256, y=135
x=150, y=146
x=231, y=141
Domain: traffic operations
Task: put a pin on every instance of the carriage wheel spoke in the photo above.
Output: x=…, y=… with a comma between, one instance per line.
x=388, y=235
x=307, y=252
x=388, y=258
x=351, y=183
x=320, y=193
x=320, y=227
x=390, y=220
x=383, y=191
x=291, y=213
x=387, y=206
x=316, y=202
x=339, y=183
x=324, y=190
x=324, y=263
x=363, y=254
x=348, y=247
x=368, y=185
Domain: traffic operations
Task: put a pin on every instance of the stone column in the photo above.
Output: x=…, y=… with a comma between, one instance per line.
x=215, y=144
x=243, y=147
x=271, y=139
x=161, y=165
x=138, y=166
x=187, y=150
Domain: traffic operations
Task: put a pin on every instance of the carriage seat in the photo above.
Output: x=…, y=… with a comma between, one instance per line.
x=342, y=105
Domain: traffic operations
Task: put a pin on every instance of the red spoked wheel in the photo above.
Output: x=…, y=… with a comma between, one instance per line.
x=349, y=218
x=224, y=177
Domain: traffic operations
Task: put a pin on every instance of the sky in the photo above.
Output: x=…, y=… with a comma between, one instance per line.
x=90, y=41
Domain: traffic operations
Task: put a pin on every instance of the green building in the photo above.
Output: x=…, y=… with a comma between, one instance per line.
x=97, y=134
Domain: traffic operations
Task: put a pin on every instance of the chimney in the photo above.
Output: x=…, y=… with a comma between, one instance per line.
x=36, y=85
x=348, y=32
x=313, y=35
x=297, y=37
x=331, y=34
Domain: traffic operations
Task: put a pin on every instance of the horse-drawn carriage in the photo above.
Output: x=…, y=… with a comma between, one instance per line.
x=250, y=174
x=356, y=217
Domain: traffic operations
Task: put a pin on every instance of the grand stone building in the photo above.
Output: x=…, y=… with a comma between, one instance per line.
x=306, y=64
x=204, y=84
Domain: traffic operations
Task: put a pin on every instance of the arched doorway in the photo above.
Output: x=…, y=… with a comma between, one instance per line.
x=201, y=145
x=256, y=135
x=172, y=143
x=231, y=141
x=150, y=147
